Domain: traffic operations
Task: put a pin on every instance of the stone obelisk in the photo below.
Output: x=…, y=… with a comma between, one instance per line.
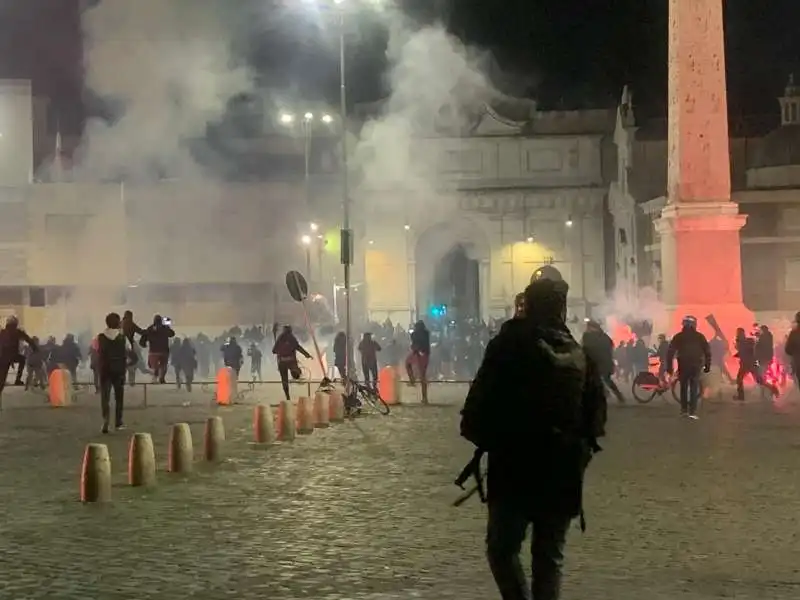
x=699, y=227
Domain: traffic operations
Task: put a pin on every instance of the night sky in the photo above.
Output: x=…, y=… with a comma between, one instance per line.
x=566, y=53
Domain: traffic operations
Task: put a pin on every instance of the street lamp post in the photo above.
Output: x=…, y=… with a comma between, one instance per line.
x=582, y=254
x=346, y=234
x=306, y=241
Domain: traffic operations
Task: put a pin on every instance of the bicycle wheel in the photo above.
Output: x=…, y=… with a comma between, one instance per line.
x=644, y=387
x=675, y=388
x=371, y=397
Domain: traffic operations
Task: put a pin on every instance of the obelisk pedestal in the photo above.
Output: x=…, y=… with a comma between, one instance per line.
x=699, y=227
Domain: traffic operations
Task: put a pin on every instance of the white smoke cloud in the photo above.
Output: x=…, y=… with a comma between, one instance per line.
x=438, y=89
x=437, y=84
x=168, y=65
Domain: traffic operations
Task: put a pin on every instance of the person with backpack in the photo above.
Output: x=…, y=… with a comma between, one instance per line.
x=113, y=354
x=285, y=349
x=537, y=407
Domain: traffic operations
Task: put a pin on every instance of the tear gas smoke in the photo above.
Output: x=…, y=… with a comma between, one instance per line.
x=167, y=69
x=624, y=316
x=438, y=88
x=167, y=65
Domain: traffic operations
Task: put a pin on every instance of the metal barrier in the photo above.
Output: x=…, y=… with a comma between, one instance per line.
x=83, y=387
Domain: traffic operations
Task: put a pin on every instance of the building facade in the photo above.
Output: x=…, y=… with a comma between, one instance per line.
x=496, y=204
x=481, y=208
x=765, y=178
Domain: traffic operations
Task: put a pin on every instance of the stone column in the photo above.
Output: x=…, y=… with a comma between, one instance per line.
x=486, y=290
x=699, y=228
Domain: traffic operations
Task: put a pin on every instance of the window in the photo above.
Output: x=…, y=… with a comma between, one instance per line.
x=791, y=281
x=794, y=112
x=11, y=296
x=623, y=237
x=36, y=297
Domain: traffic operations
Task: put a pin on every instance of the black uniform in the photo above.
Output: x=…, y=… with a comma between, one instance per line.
x=537, y=406
x=694, y=357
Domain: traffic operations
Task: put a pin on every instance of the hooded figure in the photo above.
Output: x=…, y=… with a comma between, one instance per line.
x=285, y=350
x=419, y=357
x=537, y=406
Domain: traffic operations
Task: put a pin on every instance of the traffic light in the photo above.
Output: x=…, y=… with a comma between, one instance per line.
x=438, y=311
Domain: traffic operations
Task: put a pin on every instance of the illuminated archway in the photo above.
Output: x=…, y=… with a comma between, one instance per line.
x=452, y=269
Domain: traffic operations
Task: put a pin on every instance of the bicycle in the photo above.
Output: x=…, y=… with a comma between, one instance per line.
x=358, y=396
x=647, y=386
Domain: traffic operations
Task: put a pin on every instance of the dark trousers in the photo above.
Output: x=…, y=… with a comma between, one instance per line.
x=284, y=369
x=504, y=537
x=5, y=367
x=20, y=361
x=689, y=391
x=750, y=369
x=108, y=382
x=370, y=370
x=613, y=387
x=188, y=378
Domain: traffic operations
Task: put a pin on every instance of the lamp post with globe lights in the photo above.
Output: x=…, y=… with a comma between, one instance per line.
x=347, y=246
x=306, y=242
x=306, y=122
x=582, y=253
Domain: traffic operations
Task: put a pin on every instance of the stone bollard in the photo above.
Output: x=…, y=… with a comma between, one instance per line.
x=322, y=416
x=227, y=386
x=181, y=452
x=287, y=428
x=263, y=425
x=96, y=474
x=141, y=460
x=336, y=405
x=59, y=387
x=213, y=439
x=305, y=416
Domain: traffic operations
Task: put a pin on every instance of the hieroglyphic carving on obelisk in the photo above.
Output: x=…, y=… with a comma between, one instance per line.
x=699, y=154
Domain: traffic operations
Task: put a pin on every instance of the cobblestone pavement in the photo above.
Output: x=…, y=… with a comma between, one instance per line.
x=676, y=509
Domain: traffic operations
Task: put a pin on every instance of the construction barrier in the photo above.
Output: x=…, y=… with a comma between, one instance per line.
x=263, y=425
x=322, y=416
x=213, y=439
x=305, y=416
x=286, y=426
x=181, y=451
x=96, y=474
x=141, y=460
x=59, y=387
x=227, y=386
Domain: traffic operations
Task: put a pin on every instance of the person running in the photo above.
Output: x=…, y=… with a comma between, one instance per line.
x=11, y=336
x=285, y=349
